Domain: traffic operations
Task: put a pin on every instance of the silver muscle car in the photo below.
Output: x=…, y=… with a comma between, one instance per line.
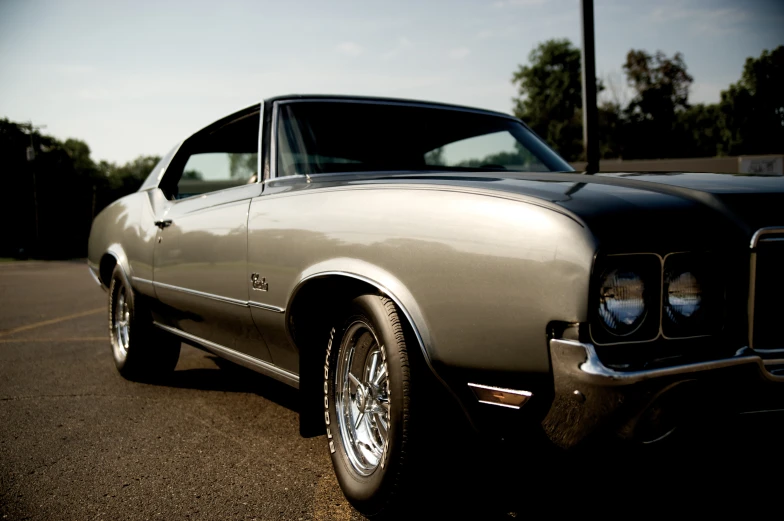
x=381, y=254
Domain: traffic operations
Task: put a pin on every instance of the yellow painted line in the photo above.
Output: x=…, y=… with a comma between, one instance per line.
x=52, y=321
x=13, y=264
x=82, y=339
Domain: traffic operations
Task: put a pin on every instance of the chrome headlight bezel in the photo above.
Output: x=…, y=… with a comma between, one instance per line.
x=647, y=267
x=705, y=318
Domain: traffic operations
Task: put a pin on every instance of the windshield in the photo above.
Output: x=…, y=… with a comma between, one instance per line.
x=327, y=137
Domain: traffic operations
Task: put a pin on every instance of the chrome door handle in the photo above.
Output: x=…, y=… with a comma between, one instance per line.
x=163, y=224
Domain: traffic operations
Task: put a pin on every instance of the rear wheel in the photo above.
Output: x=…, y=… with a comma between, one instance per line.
x=140, y=350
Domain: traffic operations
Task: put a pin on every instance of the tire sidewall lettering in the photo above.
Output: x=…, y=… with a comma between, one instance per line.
x=326, y=391
x=329, y=398
x=385, y=452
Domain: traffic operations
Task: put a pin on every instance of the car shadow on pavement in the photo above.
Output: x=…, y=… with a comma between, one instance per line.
x=720, y=469
x=232, y=378
x=725, y=466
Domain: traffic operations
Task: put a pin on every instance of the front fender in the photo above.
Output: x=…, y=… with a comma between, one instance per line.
x=125, y=230
x=480, y=278
x=381, y=279
x=116, y=250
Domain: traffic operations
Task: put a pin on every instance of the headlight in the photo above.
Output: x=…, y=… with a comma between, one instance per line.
x=622, y=301
x=626, y=299
x=693, y=295
x=683, y=299
x=642, y=297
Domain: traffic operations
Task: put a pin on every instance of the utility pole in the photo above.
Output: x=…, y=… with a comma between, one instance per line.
x=590, y=112
x=32, y=129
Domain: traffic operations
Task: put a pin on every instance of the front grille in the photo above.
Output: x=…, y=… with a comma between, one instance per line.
x=767, y=302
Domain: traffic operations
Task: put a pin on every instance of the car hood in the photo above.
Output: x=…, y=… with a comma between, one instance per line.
x=645, y=211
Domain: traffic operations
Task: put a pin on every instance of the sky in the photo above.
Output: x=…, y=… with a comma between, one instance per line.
x=134, y=78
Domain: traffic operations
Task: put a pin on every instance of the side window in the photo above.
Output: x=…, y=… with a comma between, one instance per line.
x=215, y=159
x=305, y=148
x=211, y=171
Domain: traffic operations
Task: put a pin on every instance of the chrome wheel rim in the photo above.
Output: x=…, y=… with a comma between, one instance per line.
x=121, y=330
x=362, y=398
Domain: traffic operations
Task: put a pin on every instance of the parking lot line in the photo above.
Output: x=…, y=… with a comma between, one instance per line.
x=51, y=321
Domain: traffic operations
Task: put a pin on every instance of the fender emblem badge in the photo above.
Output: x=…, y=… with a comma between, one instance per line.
x=259, y=284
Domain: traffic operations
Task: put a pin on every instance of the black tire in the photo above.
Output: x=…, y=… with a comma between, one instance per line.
x=143, y=352
x=383, y=489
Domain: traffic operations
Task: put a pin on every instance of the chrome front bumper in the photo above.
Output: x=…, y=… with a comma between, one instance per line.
x=591, y=397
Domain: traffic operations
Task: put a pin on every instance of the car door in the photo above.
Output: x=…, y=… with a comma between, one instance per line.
x=200, y=259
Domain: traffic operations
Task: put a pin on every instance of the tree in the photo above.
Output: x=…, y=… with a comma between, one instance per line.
x=130, y=176
x=79, y=153
x=70, y=188
x=698, y=131
x=661, y=85
x=435, y=157
x=752, y=110
x=658, y=121
x=550, y=96
x=550, y=100
x=242, y=165
x=611, y=129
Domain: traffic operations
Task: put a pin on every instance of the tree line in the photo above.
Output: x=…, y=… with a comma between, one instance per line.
x=658, y=121
x=49, y=199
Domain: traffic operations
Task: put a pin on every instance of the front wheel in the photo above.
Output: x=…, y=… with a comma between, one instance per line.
x=367, y=404
x=140, y=350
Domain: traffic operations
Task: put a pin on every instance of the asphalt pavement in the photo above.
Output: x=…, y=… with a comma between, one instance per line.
x=77, y=441
x=216, y=441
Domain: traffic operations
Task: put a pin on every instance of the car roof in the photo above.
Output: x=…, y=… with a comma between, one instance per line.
x=411, y=102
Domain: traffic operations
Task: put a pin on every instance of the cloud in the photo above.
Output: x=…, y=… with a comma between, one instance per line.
x=74, y=69
x=350, y=48
x=403, y=45
x=322, y=79
x=516, y=3
x=716, y=20
x=151, y=88
x=459, y=53
x=677, y=12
